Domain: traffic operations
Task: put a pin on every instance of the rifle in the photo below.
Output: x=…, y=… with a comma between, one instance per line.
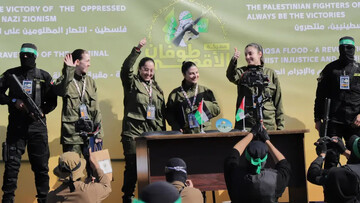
x=325, y=123
x=29, y=102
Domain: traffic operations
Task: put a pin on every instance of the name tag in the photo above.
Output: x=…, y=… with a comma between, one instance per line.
x=344, y=82
x=27, y=86
x=192, y=121
x=150, y=113
x=83, y=111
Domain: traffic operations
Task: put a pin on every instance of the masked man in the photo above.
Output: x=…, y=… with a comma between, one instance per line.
x=27, y=127
x=340, y=82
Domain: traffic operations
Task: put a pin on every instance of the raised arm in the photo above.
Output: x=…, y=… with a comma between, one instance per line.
x=127, y=70
x=231, y=72
x=61, y=85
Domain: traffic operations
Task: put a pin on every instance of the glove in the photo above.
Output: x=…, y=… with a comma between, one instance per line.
x=339, y=144
x=255, y=129
x=259, y=132
x=263, y=135
x=320, y=147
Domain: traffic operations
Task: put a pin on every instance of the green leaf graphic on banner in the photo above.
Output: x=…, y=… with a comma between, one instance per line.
x=170, y=26
x=203, y=25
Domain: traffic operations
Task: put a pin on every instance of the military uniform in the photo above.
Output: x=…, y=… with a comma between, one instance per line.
x=70, y=86
x=23, y=131
x=273, y=110
x=135, y=122
x=178, y=109
x=65, y=86
x=345, y=103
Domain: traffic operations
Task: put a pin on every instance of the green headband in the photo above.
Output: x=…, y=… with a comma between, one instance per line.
x=29, y=50
x=356, y=148
x=347, y=41
x=140, y=201
x=256, y=162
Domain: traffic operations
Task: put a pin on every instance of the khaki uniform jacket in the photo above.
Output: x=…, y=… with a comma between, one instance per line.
x=84, y=193
x=188, y=194
x=273, y=109
x=178, y=109
x=65, y=87
x=136, y=101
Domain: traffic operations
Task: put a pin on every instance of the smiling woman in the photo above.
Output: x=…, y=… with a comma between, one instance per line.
x=144, y=108
x=272, y=110
x=188, y=101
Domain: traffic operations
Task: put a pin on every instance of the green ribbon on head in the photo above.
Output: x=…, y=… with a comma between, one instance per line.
x=256, y=162
x=29, y=50
x=356, y=148
x=347, y=41
x=140, y=201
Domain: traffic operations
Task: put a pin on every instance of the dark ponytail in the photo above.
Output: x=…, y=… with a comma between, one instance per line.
x=186, y=65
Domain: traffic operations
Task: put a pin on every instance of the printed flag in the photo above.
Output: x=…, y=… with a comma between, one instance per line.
x=201, y=114
x=240, y=114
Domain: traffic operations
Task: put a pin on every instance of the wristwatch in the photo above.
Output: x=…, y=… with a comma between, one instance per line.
x=14, y=100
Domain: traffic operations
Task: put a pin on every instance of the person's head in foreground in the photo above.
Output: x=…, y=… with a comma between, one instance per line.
x=159, y=192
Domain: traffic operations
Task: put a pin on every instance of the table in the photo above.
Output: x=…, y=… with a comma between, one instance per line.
x=204, y=155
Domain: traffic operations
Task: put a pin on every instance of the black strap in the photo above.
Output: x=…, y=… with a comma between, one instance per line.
x=71, y=185
x=65, y=168
x=37, y=87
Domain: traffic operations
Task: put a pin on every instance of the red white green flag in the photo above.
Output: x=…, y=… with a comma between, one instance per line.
x=240, y=114
x=200, y=114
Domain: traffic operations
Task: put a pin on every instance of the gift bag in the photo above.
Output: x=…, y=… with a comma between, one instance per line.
x=103, y=158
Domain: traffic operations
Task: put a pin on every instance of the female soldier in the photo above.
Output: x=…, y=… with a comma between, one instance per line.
x=183, y=102
x=273, y=116
x=144, y=107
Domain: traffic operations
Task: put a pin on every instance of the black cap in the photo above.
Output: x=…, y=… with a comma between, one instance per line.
x=176, y=170
x=257, y=149
x=160, y=191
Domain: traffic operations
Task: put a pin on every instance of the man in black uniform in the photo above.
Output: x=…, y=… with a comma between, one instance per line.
x=250, y=182
x=24, y=129
x=341, y=184
x=340, y=82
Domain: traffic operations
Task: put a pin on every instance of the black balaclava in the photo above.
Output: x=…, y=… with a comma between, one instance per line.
x=347, y=49
x=28, y=54
x=175, y=170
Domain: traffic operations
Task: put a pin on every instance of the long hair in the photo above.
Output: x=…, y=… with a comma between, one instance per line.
x=260, y=49
x=141, y=64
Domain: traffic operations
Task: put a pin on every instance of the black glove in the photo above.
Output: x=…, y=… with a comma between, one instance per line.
x=263, y=135
x=320, y=147
x=255, y=129
x=259, y=132
x=339, y=144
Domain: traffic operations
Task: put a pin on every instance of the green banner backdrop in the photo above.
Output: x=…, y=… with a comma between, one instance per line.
x=299, y=38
